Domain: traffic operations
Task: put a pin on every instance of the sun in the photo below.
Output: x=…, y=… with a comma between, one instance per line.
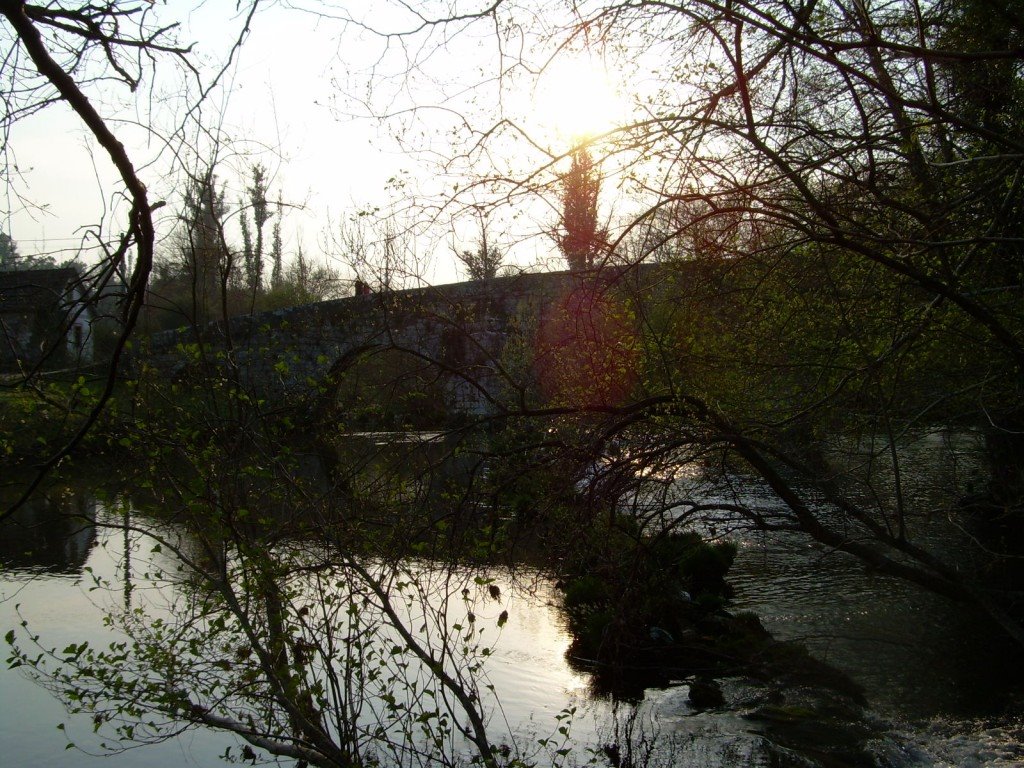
x=576, y=99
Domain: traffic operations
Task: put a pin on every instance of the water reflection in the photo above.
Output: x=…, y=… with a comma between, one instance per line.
x=422, y=470
x=916, y=655
x=62, y=608
x=53, y=532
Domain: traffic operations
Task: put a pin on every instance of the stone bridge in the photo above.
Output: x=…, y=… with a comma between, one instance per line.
x=445, y=349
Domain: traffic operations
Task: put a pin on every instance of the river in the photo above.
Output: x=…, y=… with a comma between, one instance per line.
x=940, y=692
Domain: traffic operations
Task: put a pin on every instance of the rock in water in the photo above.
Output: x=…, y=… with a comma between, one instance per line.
x=705, y=693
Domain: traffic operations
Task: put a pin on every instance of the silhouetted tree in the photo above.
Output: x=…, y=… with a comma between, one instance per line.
x=11, y=259
x=581, y=240
x=202, y=248
x=276, y=248
x=252, y=234
x=8, y=252
x=483, y=262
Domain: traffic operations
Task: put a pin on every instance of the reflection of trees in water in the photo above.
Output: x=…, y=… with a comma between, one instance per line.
x=294, y=646
x=52, y=532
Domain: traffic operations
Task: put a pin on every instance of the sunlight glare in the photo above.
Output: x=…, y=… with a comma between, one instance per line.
x=576, y=98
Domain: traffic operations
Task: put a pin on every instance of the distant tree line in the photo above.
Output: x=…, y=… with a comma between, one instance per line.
x=11, y=260
x=205, y=274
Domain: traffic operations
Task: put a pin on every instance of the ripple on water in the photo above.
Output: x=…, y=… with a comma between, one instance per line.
x=952, y=743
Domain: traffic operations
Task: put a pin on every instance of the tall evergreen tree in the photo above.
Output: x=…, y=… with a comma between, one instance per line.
x=203, y=256
x=581, y=240
x=256, y=201
x=276, y=248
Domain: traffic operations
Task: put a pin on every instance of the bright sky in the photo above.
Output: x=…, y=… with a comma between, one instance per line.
x=288, y=102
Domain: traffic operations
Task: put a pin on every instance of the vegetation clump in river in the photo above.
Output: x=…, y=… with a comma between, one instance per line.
x=633, y=592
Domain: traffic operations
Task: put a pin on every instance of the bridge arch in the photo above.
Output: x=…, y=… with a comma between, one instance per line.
x=440, y=348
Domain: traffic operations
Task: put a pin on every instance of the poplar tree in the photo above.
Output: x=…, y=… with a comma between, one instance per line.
x=581, y=240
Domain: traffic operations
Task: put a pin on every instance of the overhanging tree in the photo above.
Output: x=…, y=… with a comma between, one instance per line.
x=69, y=53
x=879, y=147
